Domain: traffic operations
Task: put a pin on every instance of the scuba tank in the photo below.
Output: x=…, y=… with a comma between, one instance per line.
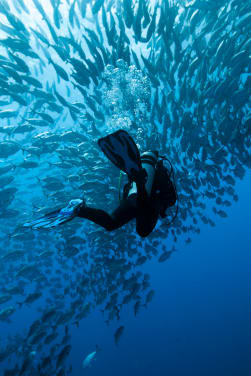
x=148, y=162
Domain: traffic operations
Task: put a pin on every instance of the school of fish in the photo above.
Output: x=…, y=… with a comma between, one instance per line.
x=176, y=75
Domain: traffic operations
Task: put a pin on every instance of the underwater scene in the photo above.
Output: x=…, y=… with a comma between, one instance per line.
x=101, y=273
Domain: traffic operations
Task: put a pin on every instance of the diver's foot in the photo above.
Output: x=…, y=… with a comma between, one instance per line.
x=79, y=207
x=72, y=208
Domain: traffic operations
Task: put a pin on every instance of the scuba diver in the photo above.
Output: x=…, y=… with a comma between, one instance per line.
x=146, y=197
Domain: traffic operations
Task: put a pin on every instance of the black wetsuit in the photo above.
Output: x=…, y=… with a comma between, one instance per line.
x=145, y=209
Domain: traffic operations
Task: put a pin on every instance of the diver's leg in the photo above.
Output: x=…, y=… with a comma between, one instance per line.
x=146, y=221
x=121, y=215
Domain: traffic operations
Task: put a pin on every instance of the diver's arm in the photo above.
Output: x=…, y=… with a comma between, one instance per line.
x=140, y=179
x=142, y=195
x=165, y=190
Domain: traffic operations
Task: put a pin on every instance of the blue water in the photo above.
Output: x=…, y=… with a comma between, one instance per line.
x=199, y=320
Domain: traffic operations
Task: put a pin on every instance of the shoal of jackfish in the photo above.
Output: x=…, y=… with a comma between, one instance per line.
x=176, y=76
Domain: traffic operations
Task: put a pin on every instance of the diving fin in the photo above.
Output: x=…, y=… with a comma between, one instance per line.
x=56, y=217
x=122, y=151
